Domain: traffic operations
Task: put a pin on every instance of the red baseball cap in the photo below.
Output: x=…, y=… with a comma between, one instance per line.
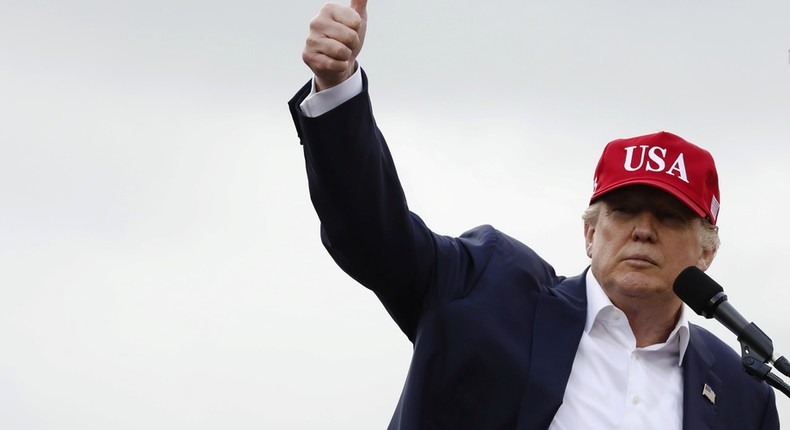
x=664, y=161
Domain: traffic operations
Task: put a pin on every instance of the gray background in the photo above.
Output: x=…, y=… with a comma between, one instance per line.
x=160, y=263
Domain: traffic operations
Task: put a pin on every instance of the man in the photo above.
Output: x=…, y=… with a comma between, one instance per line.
x=501, y=341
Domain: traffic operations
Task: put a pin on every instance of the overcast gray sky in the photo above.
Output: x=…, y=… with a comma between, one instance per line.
x=160, y=265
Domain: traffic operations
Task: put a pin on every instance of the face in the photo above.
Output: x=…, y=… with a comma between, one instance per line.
x=642, y=240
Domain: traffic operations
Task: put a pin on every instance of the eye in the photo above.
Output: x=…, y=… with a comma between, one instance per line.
x=668, y=215
x=623, y=209
x=672, y=218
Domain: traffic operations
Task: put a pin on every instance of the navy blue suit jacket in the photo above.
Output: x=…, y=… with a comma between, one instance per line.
x=495, y=330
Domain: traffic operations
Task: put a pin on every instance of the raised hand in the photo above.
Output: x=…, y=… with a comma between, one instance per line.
x=334, y=42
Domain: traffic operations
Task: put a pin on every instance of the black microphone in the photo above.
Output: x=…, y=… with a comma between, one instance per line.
x=707, y=298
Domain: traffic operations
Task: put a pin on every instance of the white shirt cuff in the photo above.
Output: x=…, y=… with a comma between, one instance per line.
x=321, y=102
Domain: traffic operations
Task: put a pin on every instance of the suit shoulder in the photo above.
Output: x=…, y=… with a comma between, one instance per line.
x=491, y=245
x=717, y=347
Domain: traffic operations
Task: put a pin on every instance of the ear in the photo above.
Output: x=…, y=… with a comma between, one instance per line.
x=706, y=259
x=589, y=233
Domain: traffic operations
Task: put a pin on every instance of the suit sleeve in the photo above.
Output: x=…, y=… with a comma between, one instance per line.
x=366, y=224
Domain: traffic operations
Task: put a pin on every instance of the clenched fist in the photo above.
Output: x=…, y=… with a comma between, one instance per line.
x=335, y=39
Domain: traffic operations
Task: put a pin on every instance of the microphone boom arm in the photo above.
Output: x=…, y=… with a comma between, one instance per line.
x=755, y=361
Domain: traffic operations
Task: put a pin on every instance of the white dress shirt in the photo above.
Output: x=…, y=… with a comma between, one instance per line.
x=614, y=384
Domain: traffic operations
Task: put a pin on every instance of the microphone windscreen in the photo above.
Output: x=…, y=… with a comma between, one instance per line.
x=695, y=288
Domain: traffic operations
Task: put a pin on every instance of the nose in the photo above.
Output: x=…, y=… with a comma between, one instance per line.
x=644, y=227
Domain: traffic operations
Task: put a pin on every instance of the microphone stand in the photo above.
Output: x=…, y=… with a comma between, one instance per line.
x=755, y=359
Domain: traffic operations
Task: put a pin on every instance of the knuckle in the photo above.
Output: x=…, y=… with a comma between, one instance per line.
x=348, y=38
x=342, y=53
x=310, y=59
x=355, y=21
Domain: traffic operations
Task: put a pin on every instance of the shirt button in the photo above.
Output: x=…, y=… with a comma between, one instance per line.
x=635, y=400
x=636, y=355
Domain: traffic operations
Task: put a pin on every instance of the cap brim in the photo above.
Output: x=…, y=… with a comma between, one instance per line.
x=678, y=194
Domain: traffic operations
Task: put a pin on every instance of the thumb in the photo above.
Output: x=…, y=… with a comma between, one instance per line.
x=360, y=6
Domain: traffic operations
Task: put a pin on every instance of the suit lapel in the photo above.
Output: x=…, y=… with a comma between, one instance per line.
x=699, y=408
x=557, y=329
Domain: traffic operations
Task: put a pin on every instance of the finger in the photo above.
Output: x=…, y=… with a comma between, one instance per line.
x=333, y=30
x=323, y=65
x=331, y=48
x=360, y=6
x=341, y=14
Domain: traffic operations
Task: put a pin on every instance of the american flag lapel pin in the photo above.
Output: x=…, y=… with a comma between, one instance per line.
x=709, y=394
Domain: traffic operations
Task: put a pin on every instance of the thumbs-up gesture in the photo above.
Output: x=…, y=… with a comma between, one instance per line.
x=336, y=37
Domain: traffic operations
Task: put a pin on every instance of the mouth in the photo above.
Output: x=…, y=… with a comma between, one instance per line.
x=640, y=260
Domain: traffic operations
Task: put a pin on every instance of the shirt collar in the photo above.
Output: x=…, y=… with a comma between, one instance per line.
x=598, y=301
